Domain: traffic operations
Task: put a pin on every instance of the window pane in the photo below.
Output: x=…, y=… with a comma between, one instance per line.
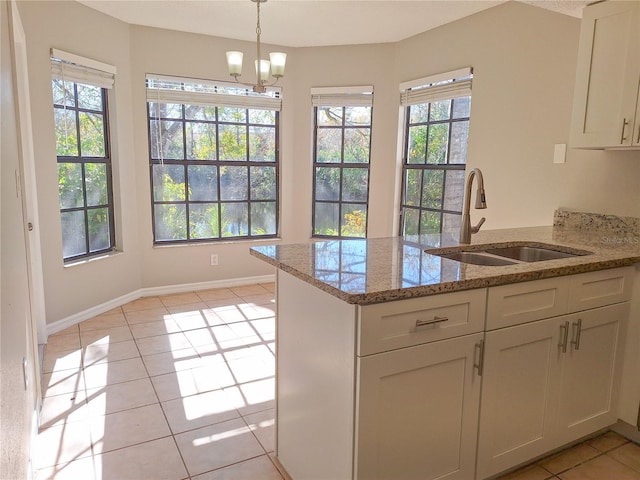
x=429, y=222
x=74, y=240
x=432, y=189
x=168, y=183
x=355, y=184
x=327, y=183
x=98, y=229
x=419, y=113
x=89, y=97
x=66, y=133
x=356, y=145
x=170, y=222
x=165, y=110
x=437, y=147
x=327, y=219
x=411, y=219
x=264, y=117
x=233, y=142
x=262, y=145
x=204, y=221
x=197, y=112
x=263, y=218
x=461, y=107
x=263, y=183
x=451, y=223
x=166, y=140
x=356, y=116
x=201, y=141
x=417, y=144
x=91, y=135
x=459, y=136
x=440, y=110
x=329, y=145
x=203, y=183
x=412, y=187
x=63, y=93
x=454, y=190
x=235, y=115
x=96, y=184
x=70, y=185
x=329, y=116
x=354, y=221
x=234, y=183
x=235, y=219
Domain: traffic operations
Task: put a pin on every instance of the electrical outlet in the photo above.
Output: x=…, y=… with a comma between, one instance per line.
x=214, y=259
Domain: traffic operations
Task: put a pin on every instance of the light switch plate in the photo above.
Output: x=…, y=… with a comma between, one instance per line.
x=560, y=153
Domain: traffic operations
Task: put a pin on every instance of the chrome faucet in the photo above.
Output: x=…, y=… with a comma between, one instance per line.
x=466, y=229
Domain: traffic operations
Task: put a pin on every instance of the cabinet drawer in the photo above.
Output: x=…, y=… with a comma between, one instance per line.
x=404, y=323
x=518, y=303
x=596, y=289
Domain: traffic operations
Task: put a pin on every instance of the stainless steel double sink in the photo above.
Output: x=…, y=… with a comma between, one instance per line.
x=509, y=254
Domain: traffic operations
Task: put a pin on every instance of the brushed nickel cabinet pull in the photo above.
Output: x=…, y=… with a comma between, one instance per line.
x=577, y=330
x=434, y=321
x=479, y=349
x=638, y=140
x=564, y=336
x=625, y=122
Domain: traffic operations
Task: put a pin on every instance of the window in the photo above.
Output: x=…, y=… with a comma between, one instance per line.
x=83, y=156
x=342, y=145
x=214, y=160
x=437, y=113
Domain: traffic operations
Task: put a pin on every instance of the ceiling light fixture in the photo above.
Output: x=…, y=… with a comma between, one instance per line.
x=275, y=64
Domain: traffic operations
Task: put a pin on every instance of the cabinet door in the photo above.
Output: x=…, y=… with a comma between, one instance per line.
x=591, y=372
x=607, y=76
x=520, y=381
x=418, y=412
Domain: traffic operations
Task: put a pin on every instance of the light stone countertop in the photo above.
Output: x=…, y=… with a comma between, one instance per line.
x=375, y=270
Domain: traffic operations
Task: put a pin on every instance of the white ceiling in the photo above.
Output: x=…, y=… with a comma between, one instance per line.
x=304, y=23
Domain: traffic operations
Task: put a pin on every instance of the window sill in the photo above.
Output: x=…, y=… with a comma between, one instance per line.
x=218, y=242
x=97, y=258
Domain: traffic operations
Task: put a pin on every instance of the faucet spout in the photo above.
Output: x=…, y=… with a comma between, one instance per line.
x=466, y=229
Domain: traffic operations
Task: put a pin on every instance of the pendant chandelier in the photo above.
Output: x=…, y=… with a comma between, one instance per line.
x=275, y=64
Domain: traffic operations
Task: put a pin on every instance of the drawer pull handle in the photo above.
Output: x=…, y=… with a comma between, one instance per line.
x=577, y=330
x=564, y=336
x=434, y=321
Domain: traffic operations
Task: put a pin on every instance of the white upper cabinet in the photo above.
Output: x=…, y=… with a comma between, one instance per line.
x=606, y=112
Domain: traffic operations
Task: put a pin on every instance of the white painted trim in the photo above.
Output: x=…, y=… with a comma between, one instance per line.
x=76, y=318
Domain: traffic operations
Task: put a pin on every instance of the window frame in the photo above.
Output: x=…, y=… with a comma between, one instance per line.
x=342, y=103
x=83, y=160
x=201, y=96
x=440, y=84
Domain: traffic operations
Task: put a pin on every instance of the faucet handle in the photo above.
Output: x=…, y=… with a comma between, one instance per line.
x=476, y=229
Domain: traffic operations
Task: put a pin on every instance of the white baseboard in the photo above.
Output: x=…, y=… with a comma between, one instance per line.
x=76, y=318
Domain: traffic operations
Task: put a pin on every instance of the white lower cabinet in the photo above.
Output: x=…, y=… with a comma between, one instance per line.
x=418, y=411
x=547, y=383
x=426, y=389
x=590, y=371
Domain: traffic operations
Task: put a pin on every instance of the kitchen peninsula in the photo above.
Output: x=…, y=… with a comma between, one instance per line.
x=383, y=344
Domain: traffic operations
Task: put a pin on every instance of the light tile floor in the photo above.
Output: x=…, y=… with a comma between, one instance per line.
x=172, y=387
x=606, y=457
x=182, y=387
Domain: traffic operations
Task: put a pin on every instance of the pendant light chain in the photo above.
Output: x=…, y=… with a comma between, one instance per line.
x=258, y=33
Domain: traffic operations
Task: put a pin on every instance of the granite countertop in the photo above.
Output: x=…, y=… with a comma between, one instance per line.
x=375, y=270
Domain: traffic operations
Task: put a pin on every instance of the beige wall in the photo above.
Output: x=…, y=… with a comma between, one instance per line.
x=18, y=403
x=524, y=62
x=72, y=27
